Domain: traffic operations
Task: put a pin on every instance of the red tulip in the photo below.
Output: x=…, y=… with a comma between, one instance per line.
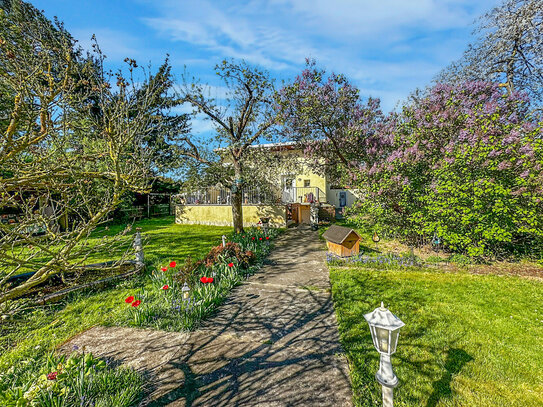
x=173, y=264
x=52, y=376
x=203, y=280
x=129, y=299
x=136, y=303
x=164, y=268
x=267, y=238
x=253, y=238
x=259, y=238
x=230, y=264
x=210, y=279
x=165, y=287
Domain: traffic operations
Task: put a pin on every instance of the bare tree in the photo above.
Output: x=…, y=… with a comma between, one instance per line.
x=508, y=49
x=243, y=117
x=70, y=146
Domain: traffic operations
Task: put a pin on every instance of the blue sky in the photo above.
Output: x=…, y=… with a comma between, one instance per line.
x=386, y=47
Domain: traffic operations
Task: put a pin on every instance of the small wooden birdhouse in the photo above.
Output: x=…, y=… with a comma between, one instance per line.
x=342, y=241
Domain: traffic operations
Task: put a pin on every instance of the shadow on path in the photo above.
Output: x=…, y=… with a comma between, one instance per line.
x=273, y=343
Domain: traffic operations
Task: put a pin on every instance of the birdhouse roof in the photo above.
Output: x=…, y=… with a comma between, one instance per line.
x=338, y=234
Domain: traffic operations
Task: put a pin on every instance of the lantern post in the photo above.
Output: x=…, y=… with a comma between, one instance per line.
x=375, y=239
x=138, y=246
x=385, y=330
x=185, y=290
x=265, y=224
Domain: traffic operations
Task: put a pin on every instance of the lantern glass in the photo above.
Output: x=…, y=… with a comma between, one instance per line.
x=185, y=290
x=385, y=341
x=385, y=329
x=394, y=340
x=382, y=339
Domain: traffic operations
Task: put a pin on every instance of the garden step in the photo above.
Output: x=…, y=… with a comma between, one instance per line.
x=145, y=350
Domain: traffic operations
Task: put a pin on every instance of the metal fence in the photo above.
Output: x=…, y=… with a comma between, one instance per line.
x=251, y=196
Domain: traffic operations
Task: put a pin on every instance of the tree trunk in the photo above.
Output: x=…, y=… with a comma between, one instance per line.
x=237, y=198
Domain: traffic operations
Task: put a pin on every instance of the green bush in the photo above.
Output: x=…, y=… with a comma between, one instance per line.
x=459, y=259
x=464, y=166
x=435, y=259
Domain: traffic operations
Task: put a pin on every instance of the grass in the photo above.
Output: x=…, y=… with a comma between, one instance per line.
x=43, y=328
x=469, y=340
x=164, y=239
x=454, y=262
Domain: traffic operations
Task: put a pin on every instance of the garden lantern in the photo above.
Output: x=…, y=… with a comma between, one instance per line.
x=314, y=215
x=385, y=329
x=185, y=290
x=436, y=241
x=375, y=239
x=138, y=246
x=265, y=224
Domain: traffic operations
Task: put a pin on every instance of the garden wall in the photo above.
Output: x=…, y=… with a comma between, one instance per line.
x=221, y=215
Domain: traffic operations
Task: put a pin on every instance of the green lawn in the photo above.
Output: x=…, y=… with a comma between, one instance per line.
x=469, y=340
x=166, y=240
x=45, y=327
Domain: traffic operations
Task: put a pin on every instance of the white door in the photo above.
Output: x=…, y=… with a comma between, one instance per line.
x=289, y=189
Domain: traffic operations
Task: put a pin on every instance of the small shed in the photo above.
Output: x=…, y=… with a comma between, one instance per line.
x=342, y=241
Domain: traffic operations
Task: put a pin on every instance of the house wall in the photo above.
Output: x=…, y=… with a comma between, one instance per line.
x=333, y=196
x=314, y=179
x=221, y=215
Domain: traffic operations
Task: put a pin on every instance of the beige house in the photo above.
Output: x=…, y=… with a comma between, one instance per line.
x=293, y=191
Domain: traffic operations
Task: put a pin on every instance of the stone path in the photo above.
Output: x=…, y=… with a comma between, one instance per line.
x=273, y=343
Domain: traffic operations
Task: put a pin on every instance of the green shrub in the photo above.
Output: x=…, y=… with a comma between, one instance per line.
x=460, y=259
x=464, y=165
x=435, y=259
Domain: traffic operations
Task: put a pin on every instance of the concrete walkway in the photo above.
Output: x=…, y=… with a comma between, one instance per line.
x=273, y=343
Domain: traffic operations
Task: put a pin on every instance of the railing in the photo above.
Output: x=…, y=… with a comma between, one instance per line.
x=303, y=195
x=223, y=196
x=251, y=196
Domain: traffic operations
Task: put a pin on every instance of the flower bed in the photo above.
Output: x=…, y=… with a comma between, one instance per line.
x=182, y=295
x=77, y=380
x=389, y=260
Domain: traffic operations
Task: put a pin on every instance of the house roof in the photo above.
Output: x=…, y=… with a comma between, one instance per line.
x=338, y=234
x=289, y=145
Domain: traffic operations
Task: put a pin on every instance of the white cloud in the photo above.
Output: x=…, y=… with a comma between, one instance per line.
x=200, y=125
x=235, y=34
x=387, y=46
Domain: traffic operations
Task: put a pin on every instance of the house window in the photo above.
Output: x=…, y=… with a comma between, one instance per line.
x=307, y=183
